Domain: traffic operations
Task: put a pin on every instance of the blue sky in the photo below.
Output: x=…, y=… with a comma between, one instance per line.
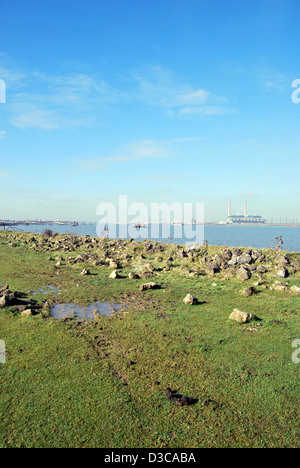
x=164, y=101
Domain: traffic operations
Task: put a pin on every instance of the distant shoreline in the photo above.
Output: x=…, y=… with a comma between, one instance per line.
x=73, y=223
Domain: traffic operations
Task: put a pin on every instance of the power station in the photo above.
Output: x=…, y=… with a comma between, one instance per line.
x=243, y=219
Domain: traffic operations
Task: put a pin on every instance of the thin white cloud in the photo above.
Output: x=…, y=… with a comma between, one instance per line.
x=194, y=98
x=53, y=101
x=2, y=133
x=271, y=80
x=44, y=120
x=136, y=151
x=202, y=111
x=160, y=87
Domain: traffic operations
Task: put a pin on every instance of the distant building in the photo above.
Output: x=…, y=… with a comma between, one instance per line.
x=245, y=218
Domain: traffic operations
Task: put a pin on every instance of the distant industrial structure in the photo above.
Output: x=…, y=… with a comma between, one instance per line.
x=243, y=219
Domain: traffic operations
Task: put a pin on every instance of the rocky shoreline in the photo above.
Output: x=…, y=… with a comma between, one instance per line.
x=268, y=269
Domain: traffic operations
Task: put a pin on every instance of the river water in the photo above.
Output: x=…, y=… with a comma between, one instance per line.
x=233, y=236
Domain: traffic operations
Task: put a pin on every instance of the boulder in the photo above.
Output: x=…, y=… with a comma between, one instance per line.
x=248, y=291
x=295, y=289
x=243, y=274
x=279, y=287
x=240, y=316
x=146, y=286
x=26, y=313
x=4, y=301
x=281, y=260
x=212, y=268
x=233, y=261
x=133, y=275
x=282, y=273
x=244, y=259
x=226, y=255
x=115, y=275
x=85, y=272
x=190, y=300
x=261, y=269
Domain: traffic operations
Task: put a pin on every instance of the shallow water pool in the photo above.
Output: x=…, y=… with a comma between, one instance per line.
x=87, y=313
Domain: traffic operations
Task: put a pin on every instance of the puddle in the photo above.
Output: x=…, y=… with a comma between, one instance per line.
x=46, y=290
x=61, y=311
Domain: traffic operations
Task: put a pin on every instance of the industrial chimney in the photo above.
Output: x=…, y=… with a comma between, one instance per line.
x=245, y=209
x=229, y=208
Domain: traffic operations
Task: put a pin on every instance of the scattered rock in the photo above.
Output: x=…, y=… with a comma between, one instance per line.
x=282, y=273
x=133, y=275
x=190, y=300
x=295, y=289
x=243, y=274
x=115, y=275
x=240, y=316
x=244, y=259
x=4, y=301
x=281, y=260
x=26, y=313
x=279, y=287
x=248, y=291
x=261, y=269
x=145, y=287
x=85, y=272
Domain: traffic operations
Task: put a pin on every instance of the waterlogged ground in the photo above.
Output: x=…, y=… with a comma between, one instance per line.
x=102, y=383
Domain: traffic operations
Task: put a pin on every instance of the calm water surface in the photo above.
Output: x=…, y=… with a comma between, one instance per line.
x=243, y=236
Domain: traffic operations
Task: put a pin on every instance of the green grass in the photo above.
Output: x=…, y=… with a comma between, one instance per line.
x=69, y=385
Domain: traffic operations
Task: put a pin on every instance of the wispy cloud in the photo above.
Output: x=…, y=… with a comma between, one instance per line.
x=272, y=80
x=51, y=101
x=44, y=120
x=136, y=151
x=2, y=133
x=42, y=101
x=160, y=87
x=205, y=110
x=4, y=173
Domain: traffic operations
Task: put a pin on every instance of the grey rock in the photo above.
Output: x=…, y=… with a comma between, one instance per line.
x=240, y=316
x=248, y=291
x=85, y=272
x=243, y=274
x=4, y=301
x=146, y=286
x=282, y=273
x=190, y=300
x=115, y=275
x=244, y=259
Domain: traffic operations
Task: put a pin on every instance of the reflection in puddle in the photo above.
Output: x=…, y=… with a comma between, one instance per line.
x=61, y=311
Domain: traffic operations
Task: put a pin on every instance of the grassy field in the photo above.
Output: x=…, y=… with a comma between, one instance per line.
x=102, y=383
